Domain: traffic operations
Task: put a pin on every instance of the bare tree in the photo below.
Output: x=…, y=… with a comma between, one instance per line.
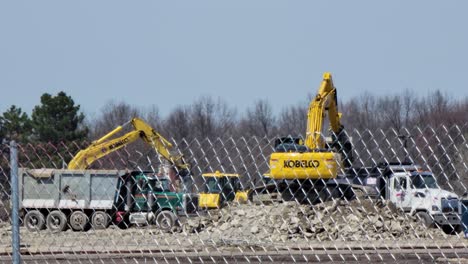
x=177, y=124
x=438, y=109
x=151, y=116
x=360, y=112
x=202, y=113
x=389, y=112
x=226, y=119
x=112, y=115
x=293, y=120
x=259, y=120
x=408, y=104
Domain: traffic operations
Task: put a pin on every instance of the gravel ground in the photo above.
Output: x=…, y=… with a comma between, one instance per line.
x=259, y=227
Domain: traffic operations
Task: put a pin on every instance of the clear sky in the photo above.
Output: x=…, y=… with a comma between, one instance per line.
x=167, y=53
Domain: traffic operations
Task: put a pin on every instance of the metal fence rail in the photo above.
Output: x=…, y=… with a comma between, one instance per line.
x=265, y=228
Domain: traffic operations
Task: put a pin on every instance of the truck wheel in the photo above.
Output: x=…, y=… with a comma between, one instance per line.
x=451, y=230
x=100, y=220
x=56, y=221
x=425, y=218
x=124, y=224
x=79, y=221
x=34, y=221
x=287, y=195
x=166, y=220
x=347, y=192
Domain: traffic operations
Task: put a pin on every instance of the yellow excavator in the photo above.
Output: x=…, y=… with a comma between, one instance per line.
x=220, y=188
x=105, y=145
x=306, y=169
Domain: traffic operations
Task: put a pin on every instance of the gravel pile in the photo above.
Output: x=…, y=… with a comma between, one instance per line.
x=286, y=224
x=331, y=221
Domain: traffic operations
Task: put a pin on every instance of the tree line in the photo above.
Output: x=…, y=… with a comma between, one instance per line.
x=58, y=119
x=216, y=135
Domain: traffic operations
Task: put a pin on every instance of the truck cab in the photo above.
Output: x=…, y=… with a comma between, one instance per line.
x=154, y=202
x=410, y=188
x=417, y=193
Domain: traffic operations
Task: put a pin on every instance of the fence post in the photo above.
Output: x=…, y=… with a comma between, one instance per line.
x=15, y=236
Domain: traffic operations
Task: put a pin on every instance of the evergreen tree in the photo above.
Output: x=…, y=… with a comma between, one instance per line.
x=15, y=125
x=58, y=119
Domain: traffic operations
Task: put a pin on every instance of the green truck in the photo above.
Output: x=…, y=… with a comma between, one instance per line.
x=58, y=199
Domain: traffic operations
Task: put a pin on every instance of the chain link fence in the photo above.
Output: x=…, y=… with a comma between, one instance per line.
x=129, y=208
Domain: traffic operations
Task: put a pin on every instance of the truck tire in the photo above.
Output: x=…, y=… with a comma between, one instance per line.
x=100, y=220
x=56, y=221
x=347, y=192
x=34, y=221
x=425, y=218
x=287, y=195
x=452, y=230
x=166, y=220
x=79, y=221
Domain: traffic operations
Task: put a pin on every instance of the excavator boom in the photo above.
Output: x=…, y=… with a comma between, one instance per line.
x=104, y=146
x=100, y=148
x=325, y=102
x=159, y=143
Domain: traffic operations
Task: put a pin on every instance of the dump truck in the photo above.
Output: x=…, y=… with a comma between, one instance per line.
x=82, y=199
x=410, y=188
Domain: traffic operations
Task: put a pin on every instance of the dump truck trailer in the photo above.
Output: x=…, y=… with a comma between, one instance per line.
x=82, y=199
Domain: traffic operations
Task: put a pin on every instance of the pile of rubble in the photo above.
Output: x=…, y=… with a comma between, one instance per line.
x=331, y=221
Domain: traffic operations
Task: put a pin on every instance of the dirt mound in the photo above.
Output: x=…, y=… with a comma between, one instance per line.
x=331, y=221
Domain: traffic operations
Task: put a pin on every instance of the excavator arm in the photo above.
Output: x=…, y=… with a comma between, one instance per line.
x=325, y=102
x=161, y=145
x=104, y=146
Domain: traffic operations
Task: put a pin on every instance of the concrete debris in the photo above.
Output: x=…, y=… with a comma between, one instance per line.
x=331, y=221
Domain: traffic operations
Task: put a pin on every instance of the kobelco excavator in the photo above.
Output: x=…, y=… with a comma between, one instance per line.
x=304, y=169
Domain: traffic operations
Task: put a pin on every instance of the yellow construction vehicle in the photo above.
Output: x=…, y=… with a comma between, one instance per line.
x=220, y=188
x=105, y=145
x=304, y=168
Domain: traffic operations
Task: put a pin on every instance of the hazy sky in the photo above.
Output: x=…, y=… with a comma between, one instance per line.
x=167, y=53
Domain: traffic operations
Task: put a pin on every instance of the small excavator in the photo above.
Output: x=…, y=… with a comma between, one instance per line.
x=221, y=188
x=305, y=171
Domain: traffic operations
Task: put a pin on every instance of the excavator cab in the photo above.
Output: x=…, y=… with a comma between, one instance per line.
x=290, y=144
x=220, y=188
